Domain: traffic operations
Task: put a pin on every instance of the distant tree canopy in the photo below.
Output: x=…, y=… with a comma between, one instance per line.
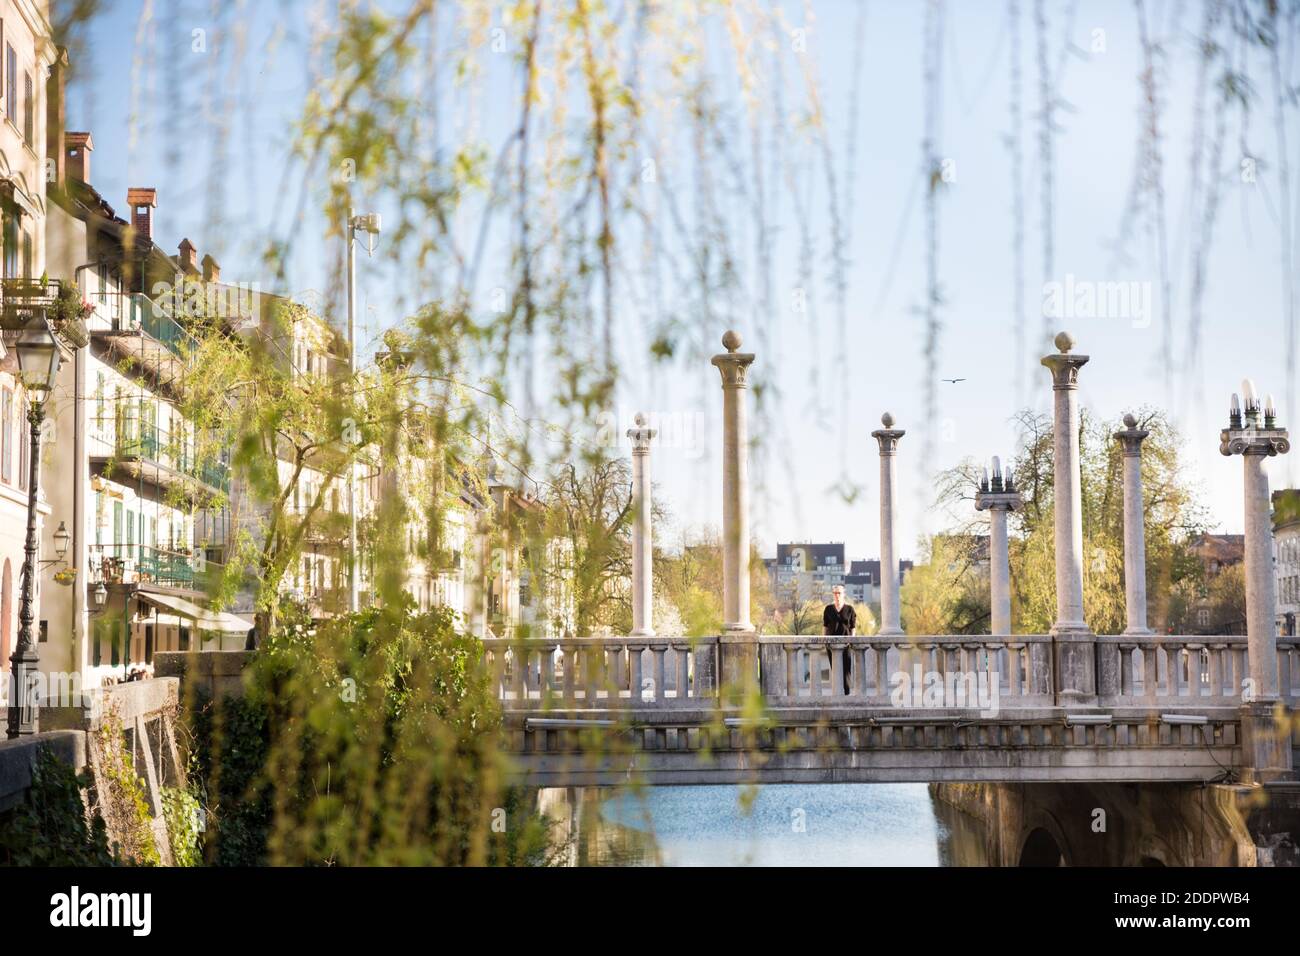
x=949, y=593
x=689, y=578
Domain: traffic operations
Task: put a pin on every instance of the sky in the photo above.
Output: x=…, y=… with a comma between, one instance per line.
x=215, y=141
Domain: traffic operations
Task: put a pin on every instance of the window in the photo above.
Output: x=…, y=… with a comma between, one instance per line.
x=1203, y=617
x=10, y=239
x=27, y=254
x=11, y=84
x=7, y=435
x=24, y=446
x=29, y=110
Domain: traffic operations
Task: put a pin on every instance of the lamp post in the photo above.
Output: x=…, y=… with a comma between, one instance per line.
x=368, y=224
x=38, y=364
x=1256, y=436
x=998, y=496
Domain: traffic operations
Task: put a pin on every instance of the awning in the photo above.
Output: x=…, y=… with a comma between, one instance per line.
x=204, y=619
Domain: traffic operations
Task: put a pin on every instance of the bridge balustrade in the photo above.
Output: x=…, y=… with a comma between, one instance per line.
x=598, y=672
x=947, y=670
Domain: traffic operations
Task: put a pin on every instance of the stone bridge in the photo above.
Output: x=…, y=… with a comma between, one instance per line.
x=923, y=709
x=1069, y=706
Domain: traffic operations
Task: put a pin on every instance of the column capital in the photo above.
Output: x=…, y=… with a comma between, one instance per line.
x=1064, y=366
x=998, y=501
x=888, y=436
x=1254, y=441
x=641, y=436
x=733, y=365
x=1131, y=437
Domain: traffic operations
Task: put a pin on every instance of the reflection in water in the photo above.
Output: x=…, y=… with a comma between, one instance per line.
x=787, y=825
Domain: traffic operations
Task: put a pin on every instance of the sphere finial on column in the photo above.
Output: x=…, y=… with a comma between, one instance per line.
x=887, y=420
x=731, y=340
x=1130, y=421
x=1064, y=341
x=640, y=418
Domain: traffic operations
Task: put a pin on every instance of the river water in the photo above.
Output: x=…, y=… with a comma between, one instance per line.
x=787, y=825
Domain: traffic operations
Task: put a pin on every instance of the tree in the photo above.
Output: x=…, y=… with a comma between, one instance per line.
x=691, y=578
x=942, y=598
x=806, y=618
x=588, y=508
x=948, y=592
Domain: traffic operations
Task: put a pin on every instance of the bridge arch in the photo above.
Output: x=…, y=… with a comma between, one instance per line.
x=1152, y=850
x=1041, y=849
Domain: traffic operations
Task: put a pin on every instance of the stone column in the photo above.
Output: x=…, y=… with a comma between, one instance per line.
x=737, y=659
x=734, y=367
x=642, y=552
x=1135, y=549
x=1265, y=744
x=998, y=496
x=887, y=438
x=1073, y=643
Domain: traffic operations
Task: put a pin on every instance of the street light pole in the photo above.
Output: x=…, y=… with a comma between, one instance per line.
x=38, y=362
x=353, y=575
x=368, y=224
x=24, y=715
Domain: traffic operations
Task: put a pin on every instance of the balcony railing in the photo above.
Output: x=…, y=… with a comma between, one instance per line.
x=139, y=564
x=147, y=442
x=135, y=312
x=22, y=300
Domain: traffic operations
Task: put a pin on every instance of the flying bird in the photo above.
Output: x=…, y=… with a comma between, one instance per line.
x=954, y=380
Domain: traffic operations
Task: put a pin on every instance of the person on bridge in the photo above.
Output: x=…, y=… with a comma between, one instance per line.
x=839, y=619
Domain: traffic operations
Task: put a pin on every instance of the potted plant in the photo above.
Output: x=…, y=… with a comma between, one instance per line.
x=65, y=576
x=68, y=313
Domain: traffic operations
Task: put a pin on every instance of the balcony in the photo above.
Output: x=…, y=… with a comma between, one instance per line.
x=133, y=327
x=150, y=454
x=22, y=300
x=144, y=564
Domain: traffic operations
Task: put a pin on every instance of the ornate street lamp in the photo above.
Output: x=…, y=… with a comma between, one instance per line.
x=61, y=540
x=38, y=364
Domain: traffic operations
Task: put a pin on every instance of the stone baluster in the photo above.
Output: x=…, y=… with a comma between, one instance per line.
x=634, y=679
x=887, y=438
x=1265, y=747
x=1074, y=646
x=738, y=653
x=642, y=549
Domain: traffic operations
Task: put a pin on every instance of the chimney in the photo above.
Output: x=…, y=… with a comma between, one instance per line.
x=188, y=258
x=142, y=202
x=211, y=269
x=56, y=119
x=79, y=148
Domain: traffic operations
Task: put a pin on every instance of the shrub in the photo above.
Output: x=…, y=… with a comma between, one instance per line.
x=52, y=827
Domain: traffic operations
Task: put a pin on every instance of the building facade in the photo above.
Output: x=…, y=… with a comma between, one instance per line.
x=1286, y=540
x=26, y=56
x=128, y=473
